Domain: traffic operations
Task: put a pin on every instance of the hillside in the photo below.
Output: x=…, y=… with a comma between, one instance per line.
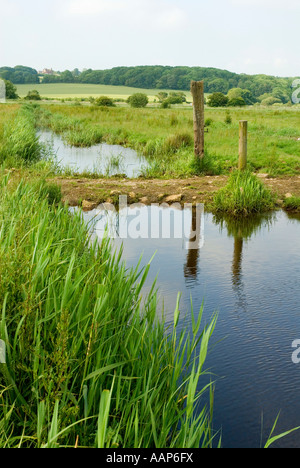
x=160, y=77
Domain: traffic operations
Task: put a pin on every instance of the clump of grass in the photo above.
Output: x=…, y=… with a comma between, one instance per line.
x=20, y=142
x=176, y=142
x=183, y=165
x=243, y=195
x=292, y=204
x=83, y=137
x=88, y=363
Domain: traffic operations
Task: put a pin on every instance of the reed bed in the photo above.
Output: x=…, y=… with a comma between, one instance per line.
x=88, y=364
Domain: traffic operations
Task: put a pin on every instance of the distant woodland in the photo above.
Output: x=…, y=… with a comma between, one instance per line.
x=161, y=77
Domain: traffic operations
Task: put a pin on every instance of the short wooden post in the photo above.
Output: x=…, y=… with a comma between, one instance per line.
x=243, y=145
x=197, y=90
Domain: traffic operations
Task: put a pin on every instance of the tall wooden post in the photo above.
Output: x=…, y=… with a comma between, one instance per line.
x=197, y=90
x=243, y=145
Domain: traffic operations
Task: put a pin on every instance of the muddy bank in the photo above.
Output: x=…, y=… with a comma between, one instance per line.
x=91, y=192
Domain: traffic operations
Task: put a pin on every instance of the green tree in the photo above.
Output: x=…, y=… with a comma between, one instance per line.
x=11, y=90
x=138, y=100
x=270, y=101
x=236, y=102
x=217, y=100
x=239, y=93
x=67, y=77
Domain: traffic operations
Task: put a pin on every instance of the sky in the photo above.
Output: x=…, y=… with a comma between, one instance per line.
x=243, y=36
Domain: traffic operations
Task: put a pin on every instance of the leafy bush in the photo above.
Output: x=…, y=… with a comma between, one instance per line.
x=236, y=102
x=33, y=96
x=138, y=100
x=104, y=101
x=217, y=100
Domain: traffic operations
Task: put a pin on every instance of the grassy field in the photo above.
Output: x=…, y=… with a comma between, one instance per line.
x=64, y=91
x=165, y=136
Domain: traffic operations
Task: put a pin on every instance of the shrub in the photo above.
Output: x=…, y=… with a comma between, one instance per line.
x=228, y=118
x=104, y=101
x=236, y=102
x=208, y=122
x=33, y=96
x=138, y=100
x=217, y=100
x=165, y=104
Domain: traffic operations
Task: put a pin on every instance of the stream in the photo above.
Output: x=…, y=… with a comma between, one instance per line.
x=104, y=159
x=249, y=273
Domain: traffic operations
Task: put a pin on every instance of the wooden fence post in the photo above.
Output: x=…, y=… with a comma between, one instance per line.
x=243, y=141
x=197, y=90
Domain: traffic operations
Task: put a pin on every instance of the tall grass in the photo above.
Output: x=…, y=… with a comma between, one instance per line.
x=87, y=364
x=243, y=195
x=20, y=143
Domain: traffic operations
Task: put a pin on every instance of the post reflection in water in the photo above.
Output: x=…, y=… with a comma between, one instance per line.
x=195, y=243
x=237, y=261
x=241, y=229
x=191, y=266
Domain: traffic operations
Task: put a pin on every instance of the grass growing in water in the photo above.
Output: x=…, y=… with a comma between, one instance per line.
x=87, y=364
x=243, y=195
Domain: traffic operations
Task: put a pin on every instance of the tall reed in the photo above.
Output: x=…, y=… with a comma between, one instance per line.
x=87, y=364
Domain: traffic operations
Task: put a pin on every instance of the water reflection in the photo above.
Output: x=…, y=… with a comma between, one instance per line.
x=108, y=160
x=242, y=230
x=249, y=271
x=193, y=254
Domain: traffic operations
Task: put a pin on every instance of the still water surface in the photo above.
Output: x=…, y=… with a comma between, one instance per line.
x=104, y=159
x=250, y=274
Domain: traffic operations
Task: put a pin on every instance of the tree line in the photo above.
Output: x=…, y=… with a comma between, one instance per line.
x=179, y=78
x=163, y=77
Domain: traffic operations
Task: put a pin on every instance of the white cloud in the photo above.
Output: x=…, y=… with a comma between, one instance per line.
x=272, y=4
x=94, y=7
x=8, y=8
x=159, y=14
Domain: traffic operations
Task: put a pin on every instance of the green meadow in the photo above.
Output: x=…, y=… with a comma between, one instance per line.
x=165, y=136
x=77, y=90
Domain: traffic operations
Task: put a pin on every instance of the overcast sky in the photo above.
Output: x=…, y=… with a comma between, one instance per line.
x=244, y=36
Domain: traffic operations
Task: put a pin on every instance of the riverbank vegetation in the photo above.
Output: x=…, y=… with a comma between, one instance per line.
x=88, y=364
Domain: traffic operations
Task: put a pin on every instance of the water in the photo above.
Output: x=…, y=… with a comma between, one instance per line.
x=108, y=160
x=250, y=274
